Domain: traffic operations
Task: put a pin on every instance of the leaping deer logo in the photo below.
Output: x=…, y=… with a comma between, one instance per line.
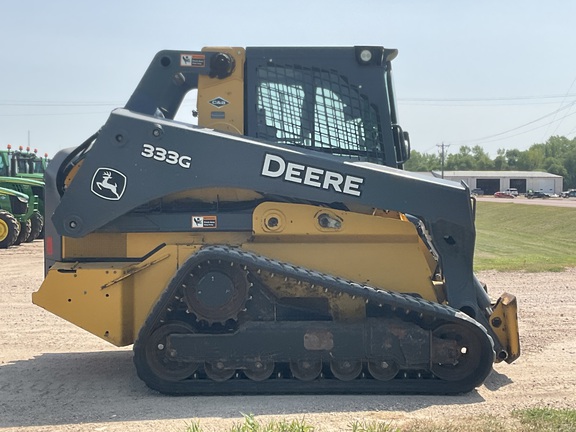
x=112, y=187
x=108, y=183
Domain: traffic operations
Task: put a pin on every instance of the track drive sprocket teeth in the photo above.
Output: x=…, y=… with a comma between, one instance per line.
x=216, y=291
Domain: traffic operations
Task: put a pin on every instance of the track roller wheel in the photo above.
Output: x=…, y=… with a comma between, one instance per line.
x=469, y=354
x=218, y=372
x=260, y=370
x=382, y=370
x=346, y=370
x=306, y=370
x=159, y=356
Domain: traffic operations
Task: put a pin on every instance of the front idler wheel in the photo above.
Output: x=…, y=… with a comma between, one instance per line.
x=161, y=358
x=466, y=352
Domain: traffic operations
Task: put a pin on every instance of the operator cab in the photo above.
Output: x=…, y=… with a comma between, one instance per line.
x=337, y=100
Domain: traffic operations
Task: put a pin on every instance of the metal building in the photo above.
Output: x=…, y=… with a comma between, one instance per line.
x=494, y=181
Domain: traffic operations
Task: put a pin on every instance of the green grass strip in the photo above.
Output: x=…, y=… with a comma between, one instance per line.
x=525, y=420
x=511, y=237
x=547, y=419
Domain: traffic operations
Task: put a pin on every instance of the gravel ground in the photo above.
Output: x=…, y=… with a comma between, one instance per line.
x=56, y=377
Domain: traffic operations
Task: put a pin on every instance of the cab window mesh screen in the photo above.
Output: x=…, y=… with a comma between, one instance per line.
x=280, y=109
x=317, y=109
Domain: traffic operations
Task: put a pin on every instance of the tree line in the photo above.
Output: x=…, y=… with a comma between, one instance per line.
x=555, y=156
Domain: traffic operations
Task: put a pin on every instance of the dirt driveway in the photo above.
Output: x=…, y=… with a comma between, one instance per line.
x=56, y=377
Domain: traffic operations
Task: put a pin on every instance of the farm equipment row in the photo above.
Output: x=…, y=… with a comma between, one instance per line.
x=21, y=196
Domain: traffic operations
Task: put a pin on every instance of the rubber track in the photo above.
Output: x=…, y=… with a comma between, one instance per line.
x=404, y=383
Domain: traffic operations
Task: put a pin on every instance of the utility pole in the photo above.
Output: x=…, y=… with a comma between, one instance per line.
x=442, y=154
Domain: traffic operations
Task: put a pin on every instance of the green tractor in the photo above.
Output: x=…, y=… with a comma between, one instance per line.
x=23, y=172
x=31, y=221
x=13, y=209
x=25, y=163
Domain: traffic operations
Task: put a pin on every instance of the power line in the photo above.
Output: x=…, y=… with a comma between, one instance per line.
x=488, y=138
x=62, y=103
x=494, y=101
x=570, y=132
x=526, y=131
x=55, y=114
x=185, y=104
x=490, y=99
x=57, y=104
x=562, y=103
x=427, y=101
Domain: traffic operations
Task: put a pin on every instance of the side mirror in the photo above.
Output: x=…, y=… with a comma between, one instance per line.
x=406, y=147
x=401, y=144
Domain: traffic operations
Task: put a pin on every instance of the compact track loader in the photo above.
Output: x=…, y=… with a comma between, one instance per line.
x=277, y=246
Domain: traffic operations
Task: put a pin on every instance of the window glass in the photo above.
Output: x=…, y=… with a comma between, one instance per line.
x=21, y=165
x=38, y=167
x=281, y=108
x=318, y=109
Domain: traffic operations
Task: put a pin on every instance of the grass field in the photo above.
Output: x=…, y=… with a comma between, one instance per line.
x=524, y=237
x=527, y=420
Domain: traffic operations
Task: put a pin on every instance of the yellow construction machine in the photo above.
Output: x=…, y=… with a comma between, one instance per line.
x=276, y=246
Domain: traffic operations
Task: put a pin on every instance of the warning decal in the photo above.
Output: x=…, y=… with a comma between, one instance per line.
x=204, y=222
x=192, y=60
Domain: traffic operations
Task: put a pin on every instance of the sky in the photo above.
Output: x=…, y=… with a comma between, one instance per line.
x=499, y=74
